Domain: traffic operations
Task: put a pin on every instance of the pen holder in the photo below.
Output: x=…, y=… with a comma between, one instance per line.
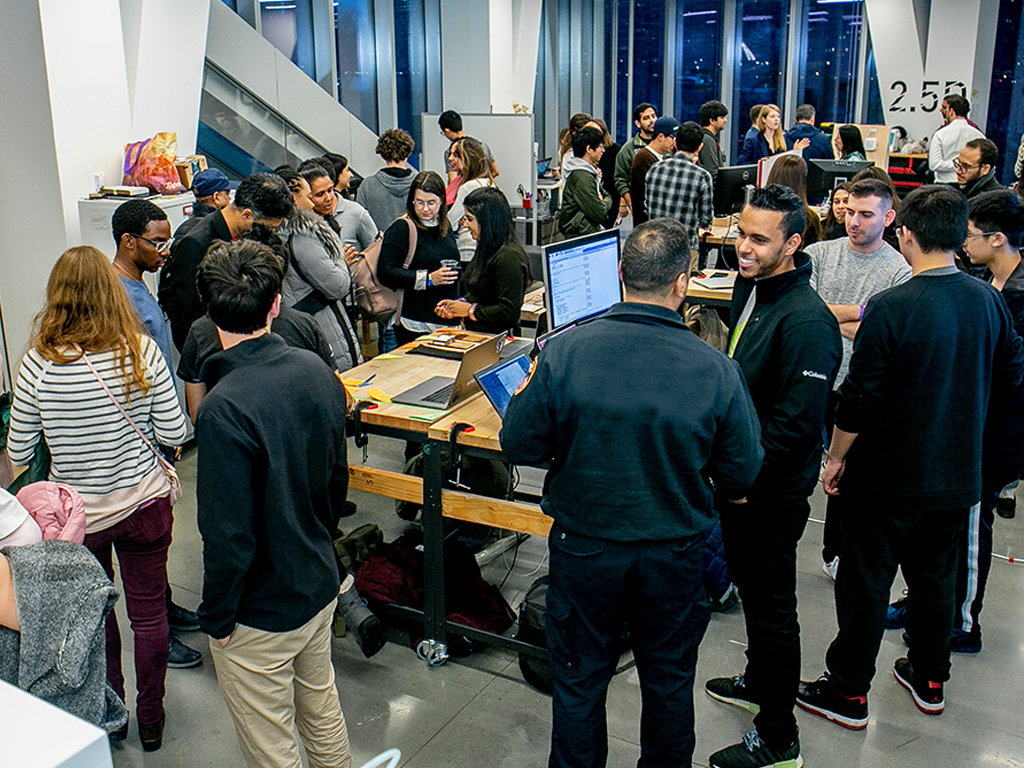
x=527, y=205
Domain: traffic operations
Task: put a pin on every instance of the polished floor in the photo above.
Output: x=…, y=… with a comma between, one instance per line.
x=479, y=713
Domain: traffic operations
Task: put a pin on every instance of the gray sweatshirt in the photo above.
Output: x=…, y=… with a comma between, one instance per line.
x=385, y=195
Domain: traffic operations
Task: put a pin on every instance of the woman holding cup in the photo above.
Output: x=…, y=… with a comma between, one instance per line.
x=425, y=280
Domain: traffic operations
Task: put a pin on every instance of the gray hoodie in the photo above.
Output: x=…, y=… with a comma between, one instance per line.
x=385, y=194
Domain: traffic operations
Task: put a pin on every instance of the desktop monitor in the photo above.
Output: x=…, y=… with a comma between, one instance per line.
x=731, y=187
x=824, y=175
x=581, y=277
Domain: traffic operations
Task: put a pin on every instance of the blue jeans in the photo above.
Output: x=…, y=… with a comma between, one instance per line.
x=596, y=589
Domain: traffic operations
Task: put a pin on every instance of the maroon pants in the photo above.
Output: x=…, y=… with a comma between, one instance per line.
x=141, y=541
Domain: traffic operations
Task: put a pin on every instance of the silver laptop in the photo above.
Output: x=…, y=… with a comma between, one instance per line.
x=441, y=392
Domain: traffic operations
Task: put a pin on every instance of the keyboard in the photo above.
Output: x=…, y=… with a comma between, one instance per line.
x=443, y=395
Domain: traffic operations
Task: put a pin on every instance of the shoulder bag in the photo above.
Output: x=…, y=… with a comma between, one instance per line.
x=172, y=474
x=375, y=301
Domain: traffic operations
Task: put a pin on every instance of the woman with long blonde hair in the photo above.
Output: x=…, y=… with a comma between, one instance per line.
x=769, y=139
x=89, y=370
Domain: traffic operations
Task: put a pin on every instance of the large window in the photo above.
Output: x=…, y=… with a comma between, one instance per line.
x=288, y=25
x=830, y=51
x=759, y=70
x=1006, y=104
x=410, y=67
x=623, y=109
x=648, y=53
x=357, y=59
x=698, y=74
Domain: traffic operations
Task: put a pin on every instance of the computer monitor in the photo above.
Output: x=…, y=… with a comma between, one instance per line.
x=824, y=175
x=581, y=277
x=731, y=187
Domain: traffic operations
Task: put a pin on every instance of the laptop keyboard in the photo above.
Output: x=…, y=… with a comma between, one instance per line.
x=442, y=395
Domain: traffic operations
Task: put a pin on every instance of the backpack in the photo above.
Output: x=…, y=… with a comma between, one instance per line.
x=374, y=301
x=536, y=671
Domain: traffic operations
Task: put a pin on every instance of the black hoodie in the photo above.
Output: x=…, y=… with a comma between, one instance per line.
x=789, y=351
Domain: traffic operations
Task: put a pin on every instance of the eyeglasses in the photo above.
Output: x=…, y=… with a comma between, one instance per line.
x=980, y=234
x=426, y=203
x=963, y=166
x=160, y=245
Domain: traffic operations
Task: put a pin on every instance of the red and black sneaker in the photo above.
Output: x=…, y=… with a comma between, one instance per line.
x=822, y=698
x=927, y=694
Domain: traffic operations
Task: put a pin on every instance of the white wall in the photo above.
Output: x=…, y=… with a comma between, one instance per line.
x=926, y=48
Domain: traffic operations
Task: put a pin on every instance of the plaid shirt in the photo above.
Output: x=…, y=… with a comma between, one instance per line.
x=680, y=189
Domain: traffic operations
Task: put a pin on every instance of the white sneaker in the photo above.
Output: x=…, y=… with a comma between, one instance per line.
x=831, y=568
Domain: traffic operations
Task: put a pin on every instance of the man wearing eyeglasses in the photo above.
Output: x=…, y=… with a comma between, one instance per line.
x=261, y=198
x=143, y=237
x=975, y=168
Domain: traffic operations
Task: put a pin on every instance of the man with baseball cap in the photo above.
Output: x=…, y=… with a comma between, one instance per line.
x=213, y=192
x=661, y=145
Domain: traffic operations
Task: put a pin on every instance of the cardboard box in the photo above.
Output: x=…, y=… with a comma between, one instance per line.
x=189, y=167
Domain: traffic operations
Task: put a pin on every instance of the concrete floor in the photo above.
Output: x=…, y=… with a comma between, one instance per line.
x=478, y=712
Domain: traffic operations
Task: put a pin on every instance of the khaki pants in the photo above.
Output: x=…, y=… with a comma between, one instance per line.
x=274, y=682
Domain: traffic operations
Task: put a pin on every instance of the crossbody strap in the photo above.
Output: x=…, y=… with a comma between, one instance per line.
x=85, y=358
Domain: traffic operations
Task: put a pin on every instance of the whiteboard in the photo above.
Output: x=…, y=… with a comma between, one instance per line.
x=510, y=138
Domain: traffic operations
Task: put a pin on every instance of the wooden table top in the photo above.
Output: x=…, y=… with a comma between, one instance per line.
x=477, y=411
x=393, y=373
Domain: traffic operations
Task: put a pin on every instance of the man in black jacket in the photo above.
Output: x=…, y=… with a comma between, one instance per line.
x=640, y=419
x=907, y=451
x=788, y=344
x=272, y=476
x=262, y=198
x=976, y=168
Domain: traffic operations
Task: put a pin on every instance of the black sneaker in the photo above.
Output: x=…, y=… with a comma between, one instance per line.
x=731, y=690
x=181, y=619
x=367, y=628
x=966, y=642
x=181, y=656
x=822, y=698
x=726, y=602
x=896, y=613
x=927, y=694
x=752, y=752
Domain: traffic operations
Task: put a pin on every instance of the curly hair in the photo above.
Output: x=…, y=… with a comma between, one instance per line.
x=395, y=145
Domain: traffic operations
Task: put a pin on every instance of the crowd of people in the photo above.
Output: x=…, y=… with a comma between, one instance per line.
x=863, y=325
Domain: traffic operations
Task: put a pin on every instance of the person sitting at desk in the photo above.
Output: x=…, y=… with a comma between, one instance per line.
x=426, y=279
x=769, y=139
x=499, y=273
x=791, y=171
x=585, y=204
x=849, y=143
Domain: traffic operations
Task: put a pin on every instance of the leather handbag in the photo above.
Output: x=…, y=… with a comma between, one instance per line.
x=375, y=301
x=172, y=475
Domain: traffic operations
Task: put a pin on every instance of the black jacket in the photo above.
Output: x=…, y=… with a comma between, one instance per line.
x=178, y=296
x=635, y=414
x=499, y=291
x=272, y=477
x=980, y=185
x=790, y=352
x=927, y=356
x=199, y=212
x=431, y=248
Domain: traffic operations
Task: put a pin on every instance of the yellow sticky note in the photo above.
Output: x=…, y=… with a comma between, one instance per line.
x=376, y=394
x=352, y=383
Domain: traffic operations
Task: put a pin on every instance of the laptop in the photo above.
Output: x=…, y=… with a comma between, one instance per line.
x=441, y=392
x=501, y=380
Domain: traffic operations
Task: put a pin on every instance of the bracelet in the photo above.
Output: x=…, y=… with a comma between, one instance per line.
x=861, y=316
x=472, y=313
x=430, y=281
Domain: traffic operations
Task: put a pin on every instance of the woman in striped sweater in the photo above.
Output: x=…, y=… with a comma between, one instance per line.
x=88, y=318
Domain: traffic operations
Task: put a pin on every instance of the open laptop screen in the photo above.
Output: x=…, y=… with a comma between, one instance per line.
x=581, y=277
x=500, y=381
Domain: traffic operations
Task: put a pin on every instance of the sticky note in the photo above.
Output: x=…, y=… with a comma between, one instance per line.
x=378, y=395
